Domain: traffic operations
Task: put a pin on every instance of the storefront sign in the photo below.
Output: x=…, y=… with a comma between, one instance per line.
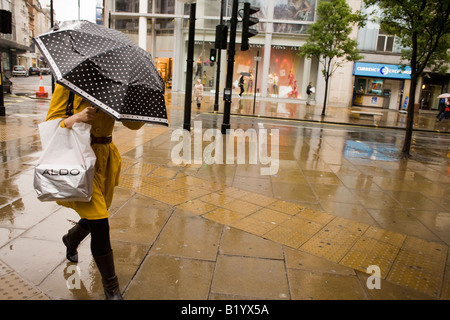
x=378, y=70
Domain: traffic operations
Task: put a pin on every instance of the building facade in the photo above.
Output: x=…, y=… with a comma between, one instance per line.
x=28, y=20
x=161, y=27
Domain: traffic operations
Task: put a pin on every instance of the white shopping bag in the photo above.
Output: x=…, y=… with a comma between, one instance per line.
x=65, y=170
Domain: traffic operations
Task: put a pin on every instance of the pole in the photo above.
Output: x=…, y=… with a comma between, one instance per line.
x=231, y=52
x=219, y=58
x=2, y=104
x=256, y=81
x=189, y=69
x=51, y=25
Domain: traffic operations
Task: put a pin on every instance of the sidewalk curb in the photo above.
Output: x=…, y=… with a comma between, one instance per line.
x=374, y=126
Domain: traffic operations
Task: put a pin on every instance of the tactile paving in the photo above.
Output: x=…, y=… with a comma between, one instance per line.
x=285, y=207
x=333, y=250
x=303, y=225
x=418, y=279
x=362, y=260
x=197, y=207
x=253, y=225
x=13, y=287
x=259, y=199
x=241, y=206
x=314, y=215
x=224, y=216
x=4, y=269
x=270, y=216
x=164, y=172
x=288, y=236
x=141, y=169
x=393, y=238
x=233, y=192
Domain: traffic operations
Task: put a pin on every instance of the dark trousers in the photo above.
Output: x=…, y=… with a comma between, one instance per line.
x=242, y=89
x=100, y=239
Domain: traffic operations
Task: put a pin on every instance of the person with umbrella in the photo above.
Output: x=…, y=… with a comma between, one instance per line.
x=241, y=85
x=94, y=214
x=445, y=110
x=105, y=77
x=441, y=109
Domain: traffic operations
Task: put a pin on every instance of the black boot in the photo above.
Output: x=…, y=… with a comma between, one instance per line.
x=72, y=239
x=105, y=265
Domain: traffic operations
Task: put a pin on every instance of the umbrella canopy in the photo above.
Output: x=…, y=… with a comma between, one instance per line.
x=107, y=69
x=444, y=95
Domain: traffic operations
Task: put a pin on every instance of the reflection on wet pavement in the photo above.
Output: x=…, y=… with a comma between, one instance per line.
x=341, y=200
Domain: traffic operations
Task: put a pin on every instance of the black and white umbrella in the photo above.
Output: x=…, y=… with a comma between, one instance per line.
x=107, y=69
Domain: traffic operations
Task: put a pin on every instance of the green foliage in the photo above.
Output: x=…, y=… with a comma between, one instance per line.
x=420, y=26
x=329, y=37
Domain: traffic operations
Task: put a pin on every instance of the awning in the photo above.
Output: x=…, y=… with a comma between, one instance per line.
x=9, y=44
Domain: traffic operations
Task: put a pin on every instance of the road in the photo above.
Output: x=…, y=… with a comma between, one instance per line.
x=29, y=85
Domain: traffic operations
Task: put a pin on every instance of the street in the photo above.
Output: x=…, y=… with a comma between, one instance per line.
x=340, y=201
x=29, y=85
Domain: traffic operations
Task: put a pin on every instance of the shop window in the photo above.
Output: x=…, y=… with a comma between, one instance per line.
x=385, y=42
x=375, y=86
x=164, y=26
x=163, y=6
x=127, y=5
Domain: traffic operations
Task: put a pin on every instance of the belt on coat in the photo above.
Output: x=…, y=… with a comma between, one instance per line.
x=100, y=140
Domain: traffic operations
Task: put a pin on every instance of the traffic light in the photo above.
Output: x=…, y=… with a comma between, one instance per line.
x=247, y=22
x=212, y=56
x=221, y=36
x=5, y=22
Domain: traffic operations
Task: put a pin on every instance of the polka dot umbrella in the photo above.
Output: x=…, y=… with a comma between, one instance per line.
x=106, y=68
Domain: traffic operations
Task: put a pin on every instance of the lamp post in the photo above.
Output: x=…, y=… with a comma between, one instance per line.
x=219, y=58
x=51, y=25
x=189, y=67
x=228, y=91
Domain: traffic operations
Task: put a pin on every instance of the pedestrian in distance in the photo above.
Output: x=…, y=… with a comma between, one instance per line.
x=241, y=85
x=309, y=92
x=250, y=83
x=93, y=214
x=198, y=93
x=275, y=84
x=294, y=92
x=441, y=108
x=446, y=111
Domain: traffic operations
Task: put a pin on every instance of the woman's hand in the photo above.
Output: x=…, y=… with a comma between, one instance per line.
x=88, y=114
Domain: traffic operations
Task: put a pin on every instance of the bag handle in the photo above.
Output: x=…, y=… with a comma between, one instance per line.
x=69, y=107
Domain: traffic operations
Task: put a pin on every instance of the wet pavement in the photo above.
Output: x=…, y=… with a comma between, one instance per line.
x=341, y=200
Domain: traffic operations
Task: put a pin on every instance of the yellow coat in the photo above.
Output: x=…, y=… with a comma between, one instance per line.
x=108, y=164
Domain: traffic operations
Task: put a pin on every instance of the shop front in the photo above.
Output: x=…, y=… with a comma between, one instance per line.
x=433, y=84
x=380, y=85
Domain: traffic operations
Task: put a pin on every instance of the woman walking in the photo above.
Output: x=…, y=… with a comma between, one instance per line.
x=198, y=93
x=94, y=214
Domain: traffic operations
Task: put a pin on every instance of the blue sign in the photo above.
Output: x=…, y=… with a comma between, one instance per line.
x=379, y=70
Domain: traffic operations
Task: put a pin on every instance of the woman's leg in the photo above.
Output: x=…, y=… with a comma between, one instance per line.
x=103, y=256
x=73, y=239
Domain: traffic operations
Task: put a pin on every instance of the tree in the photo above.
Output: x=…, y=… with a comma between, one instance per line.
x=423, y=28
x=329, y=38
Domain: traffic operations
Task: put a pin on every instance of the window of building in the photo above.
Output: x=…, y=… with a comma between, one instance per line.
x=163, y=6
x=385, y=42
x=127, y=5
